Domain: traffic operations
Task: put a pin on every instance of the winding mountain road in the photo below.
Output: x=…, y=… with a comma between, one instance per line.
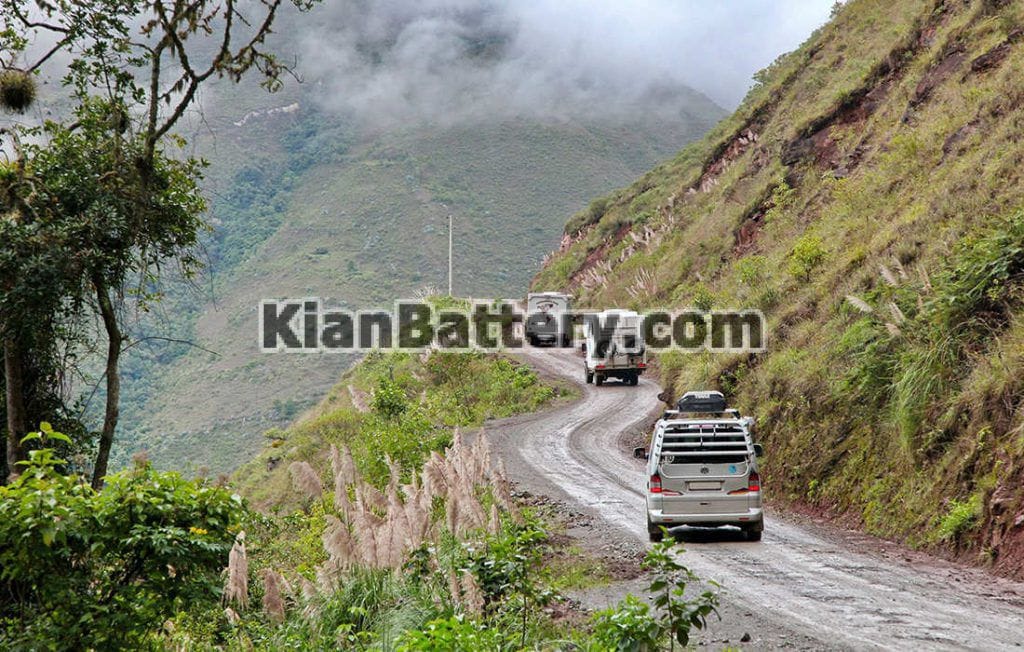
x=804, y=586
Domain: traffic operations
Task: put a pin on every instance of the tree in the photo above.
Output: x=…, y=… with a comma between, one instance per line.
x=83, y=569
x=98, y=203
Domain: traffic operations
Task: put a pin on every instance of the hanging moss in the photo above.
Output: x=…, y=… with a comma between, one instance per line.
x=17, y=90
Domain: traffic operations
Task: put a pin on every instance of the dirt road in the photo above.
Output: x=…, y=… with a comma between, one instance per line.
x=802, y=587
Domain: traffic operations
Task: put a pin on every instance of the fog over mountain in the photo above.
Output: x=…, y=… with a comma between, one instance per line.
x=455, y=60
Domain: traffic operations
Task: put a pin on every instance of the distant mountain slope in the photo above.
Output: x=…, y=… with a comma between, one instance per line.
x=306, y=205
x=868, y=196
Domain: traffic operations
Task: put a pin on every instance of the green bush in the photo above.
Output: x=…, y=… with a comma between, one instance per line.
x=961, y=517
x=874, y=356
x=82, y=569
x=925, y=373
x=703, y=298
x=628, y=627
x=677, y=613
x=807, y=255
x=971, y=299
x=389, y=400
x=751, y=270
x=781, y=200
x=407, y=441
x=454, y=634
x=631, y=627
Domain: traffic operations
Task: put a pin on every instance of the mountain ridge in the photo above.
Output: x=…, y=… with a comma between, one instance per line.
x=866, y=196
x=322, y=208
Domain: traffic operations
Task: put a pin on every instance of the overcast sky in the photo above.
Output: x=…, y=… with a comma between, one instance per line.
x=434, y=58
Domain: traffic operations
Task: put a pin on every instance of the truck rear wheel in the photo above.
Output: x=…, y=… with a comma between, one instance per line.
x=590, y=376
x=598, y=379
x=654, y=533
x=634, y=380
x=753, y=533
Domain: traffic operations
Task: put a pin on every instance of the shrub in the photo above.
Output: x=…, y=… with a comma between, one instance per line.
x=703, y=298
x=961, y=517
x=596, y=210
x=972, y=299
x=781, y=200
x=925, y=373
x=629, y=627
x=509, y=573
x=82, y=569
x=677, y=613
x=989, y=269
x=751, y=270
x=875, y=360
x=454, y=633
x=806, y=256
x=389, y=400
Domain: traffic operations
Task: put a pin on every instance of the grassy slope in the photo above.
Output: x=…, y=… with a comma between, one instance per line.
x=882, y=145
x=362, y=222
x=375, y=605
x=443, y=391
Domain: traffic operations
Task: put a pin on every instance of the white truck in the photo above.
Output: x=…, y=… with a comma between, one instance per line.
x=546, y=321
x=613, y=347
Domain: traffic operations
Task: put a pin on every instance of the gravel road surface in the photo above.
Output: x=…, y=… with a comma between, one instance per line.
x=804, y=586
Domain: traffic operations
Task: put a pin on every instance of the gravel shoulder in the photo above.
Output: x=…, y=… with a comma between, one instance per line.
x=806, y=585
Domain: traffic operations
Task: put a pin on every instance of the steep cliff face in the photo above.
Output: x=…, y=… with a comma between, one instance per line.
x=868, y=197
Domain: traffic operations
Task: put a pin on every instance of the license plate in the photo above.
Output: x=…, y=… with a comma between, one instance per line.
x=705, y=486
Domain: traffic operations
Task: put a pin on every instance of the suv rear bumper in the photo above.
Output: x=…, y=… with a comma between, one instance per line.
x=753, y=516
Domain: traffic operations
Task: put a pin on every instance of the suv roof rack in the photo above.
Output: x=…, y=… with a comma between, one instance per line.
x=732, y=413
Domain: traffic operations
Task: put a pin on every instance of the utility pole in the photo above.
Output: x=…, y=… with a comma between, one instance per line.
x=451, y=236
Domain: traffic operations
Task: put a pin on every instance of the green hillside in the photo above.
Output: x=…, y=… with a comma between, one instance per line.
x=867, y=196
x=304, y=205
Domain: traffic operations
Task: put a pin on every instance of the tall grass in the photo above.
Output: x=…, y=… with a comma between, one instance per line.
x=370, y=538
x=925, y=376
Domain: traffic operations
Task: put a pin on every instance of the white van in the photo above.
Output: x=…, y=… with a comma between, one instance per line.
x=702, y=468
x=546, y=321
x=613, y=347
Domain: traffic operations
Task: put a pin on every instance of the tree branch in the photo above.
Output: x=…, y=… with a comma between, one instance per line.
x=54, y=50
x=233, y=63
x=29, y=24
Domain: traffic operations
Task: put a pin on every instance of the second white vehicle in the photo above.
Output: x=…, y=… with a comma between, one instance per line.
x=613, y=347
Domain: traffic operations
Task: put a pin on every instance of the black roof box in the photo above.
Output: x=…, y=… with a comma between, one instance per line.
x=701, y=402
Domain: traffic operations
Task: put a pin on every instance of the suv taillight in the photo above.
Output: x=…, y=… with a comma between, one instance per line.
x=655, y=484
x=754, y=482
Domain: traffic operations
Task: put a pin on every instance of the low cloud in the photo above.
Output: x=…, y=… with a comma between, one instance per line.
x=452, y=60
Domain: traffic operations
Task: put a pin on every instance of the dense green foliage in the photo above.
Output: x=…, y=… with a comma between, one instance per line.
x=81, y=569
x=138, y=564
x=94, y=205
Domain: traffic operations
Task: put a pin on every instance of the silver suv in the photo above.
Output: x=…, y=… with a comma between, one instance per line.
x=702, y=468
